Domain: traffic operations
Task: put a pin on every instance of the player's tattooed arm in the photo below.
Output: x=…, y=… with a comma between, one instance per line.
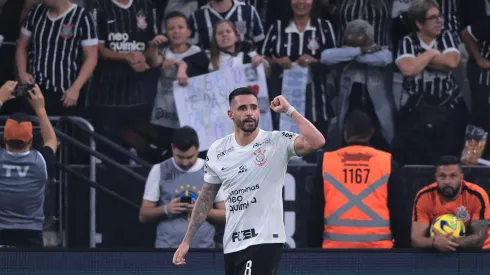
x=478, y=236
x=200, y=212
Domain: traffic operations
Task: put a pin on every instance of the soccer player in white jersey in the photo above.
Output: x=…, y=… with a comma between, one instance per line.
x=250, y=165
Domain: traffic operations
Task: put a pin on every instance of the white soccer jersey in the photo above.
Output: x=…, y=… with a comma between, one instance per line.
x=252, y=178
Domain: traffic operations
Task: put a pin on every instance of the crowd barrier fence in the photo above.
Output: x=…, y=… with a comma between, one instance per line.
x=293, y=262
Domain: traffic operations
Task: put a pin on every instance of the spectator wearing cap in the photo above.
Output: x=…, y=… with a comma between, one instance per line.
x=24, y=173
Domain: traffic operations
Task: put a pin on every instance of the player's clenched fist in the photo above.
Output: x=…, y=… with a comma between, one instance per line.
x=179, y=255
x=279, y=104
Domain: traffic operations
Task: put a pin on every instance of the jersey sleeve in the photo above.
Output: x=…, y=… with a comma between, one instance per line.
x=330, y=40
x=152, y=186
x=480, y=31
x=449, y=45
x=50, y=160
x=482, y=206
x=257, y=28
x=210, y=175
x=194, y=39
x=420, y=209
x=405, y=49
x=286, y=140
x=269, y=45
x=88, y=31
x=29, y=22
x=153, y=22
x=220, y=197
x=100, y=22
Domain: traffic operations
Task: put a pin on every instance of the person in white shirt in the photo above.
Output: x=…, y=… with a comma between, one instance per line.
x=250, y=165
x=171, y=191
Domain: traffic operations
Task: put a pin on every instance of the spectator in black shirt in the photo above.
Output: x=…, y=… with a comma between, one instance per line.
x=433, y=118
x=245, y=18
x=61, y=40
x=124, y=86
x=477, y=40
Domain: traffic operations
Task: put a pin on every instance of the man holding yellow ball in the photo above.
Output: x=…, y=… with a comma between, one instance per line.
x=455, y=211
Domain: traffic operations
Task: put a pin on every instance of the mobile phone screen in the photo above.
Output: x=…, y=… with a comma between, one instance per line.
x=186, y=199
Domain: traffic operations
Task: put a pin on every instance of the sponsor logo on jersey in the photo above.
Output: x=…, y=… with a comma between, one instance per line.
x=287, y=135
x=236, y=200
x=258, y=144
x=244, y=235
x=120, y=42
x=355, y=156
x=260, y=158
x=225, y=152
x=242, y=169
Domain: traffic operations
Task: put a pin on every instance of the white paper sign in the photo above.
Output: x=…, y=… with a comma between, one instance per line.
x=203, y=103
x=294, y=83
x=164, y=112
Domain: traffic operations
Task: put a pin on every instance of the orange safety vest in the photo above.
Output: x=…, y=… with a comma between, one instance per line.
x=355, y=180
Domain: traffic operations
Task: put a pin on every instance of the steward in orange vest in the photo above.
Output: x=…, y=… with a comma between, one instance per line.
x=355, y=183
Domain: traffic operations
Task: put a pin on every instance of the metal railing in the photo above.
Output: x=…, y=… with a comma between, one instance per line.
x=91, y=150
x=86, y=127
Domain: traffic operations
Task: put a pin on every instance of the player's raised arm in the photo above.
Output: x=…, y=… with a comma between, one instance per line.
x=310, y=139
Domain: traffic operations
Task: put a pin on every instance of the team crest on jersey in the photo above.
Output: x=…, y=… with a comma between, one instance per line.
x=462, y=213
x=313, y=45
x=241, y=27
x=260, y=158
x=66, y=31
x=141, y=20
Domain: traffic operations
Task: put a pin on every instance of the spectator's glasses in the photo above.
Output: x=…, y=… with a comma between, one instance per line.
x=435, y=17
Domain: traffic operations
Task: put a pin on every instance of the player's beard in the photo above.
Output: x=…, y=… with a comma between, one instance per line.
x=449, y=192
x=245, y=125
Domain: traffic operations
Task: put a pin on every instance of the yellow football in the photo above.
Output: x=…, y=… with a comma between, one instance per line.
x=449, y=223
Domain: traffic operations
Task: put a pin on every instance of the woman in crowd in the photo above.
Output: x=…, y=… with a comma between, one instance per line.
x=433, y=113
x=300, y=36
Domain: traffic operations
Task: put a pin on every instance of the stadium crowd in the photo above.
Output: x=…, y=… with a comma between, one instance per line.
x=406, y=64
x=403, y=64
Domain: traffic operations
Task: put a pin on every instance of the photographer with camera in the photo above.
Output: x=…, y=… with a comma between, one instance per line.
x=24, y=172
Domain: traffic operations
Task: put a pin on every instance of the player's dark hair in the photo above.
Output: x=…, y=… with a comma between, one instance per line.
x=184, y=138
x=448, y=160
x=358, y=125
x=175, y=14
x=240, y=91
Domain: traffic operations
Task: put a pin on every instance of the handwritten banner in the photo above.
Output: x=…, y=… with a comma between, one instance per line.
x=203, y=103
x=294, y=83
x=164, y=111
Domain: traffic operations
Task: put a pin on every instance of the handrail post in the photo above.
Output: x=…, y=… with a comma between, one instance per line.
x=93, y=177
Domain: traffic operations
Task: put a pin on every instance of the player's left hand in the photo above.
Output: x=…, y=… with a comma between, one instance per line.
x=179, y=255
x=279, y=104
x=70, y=97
